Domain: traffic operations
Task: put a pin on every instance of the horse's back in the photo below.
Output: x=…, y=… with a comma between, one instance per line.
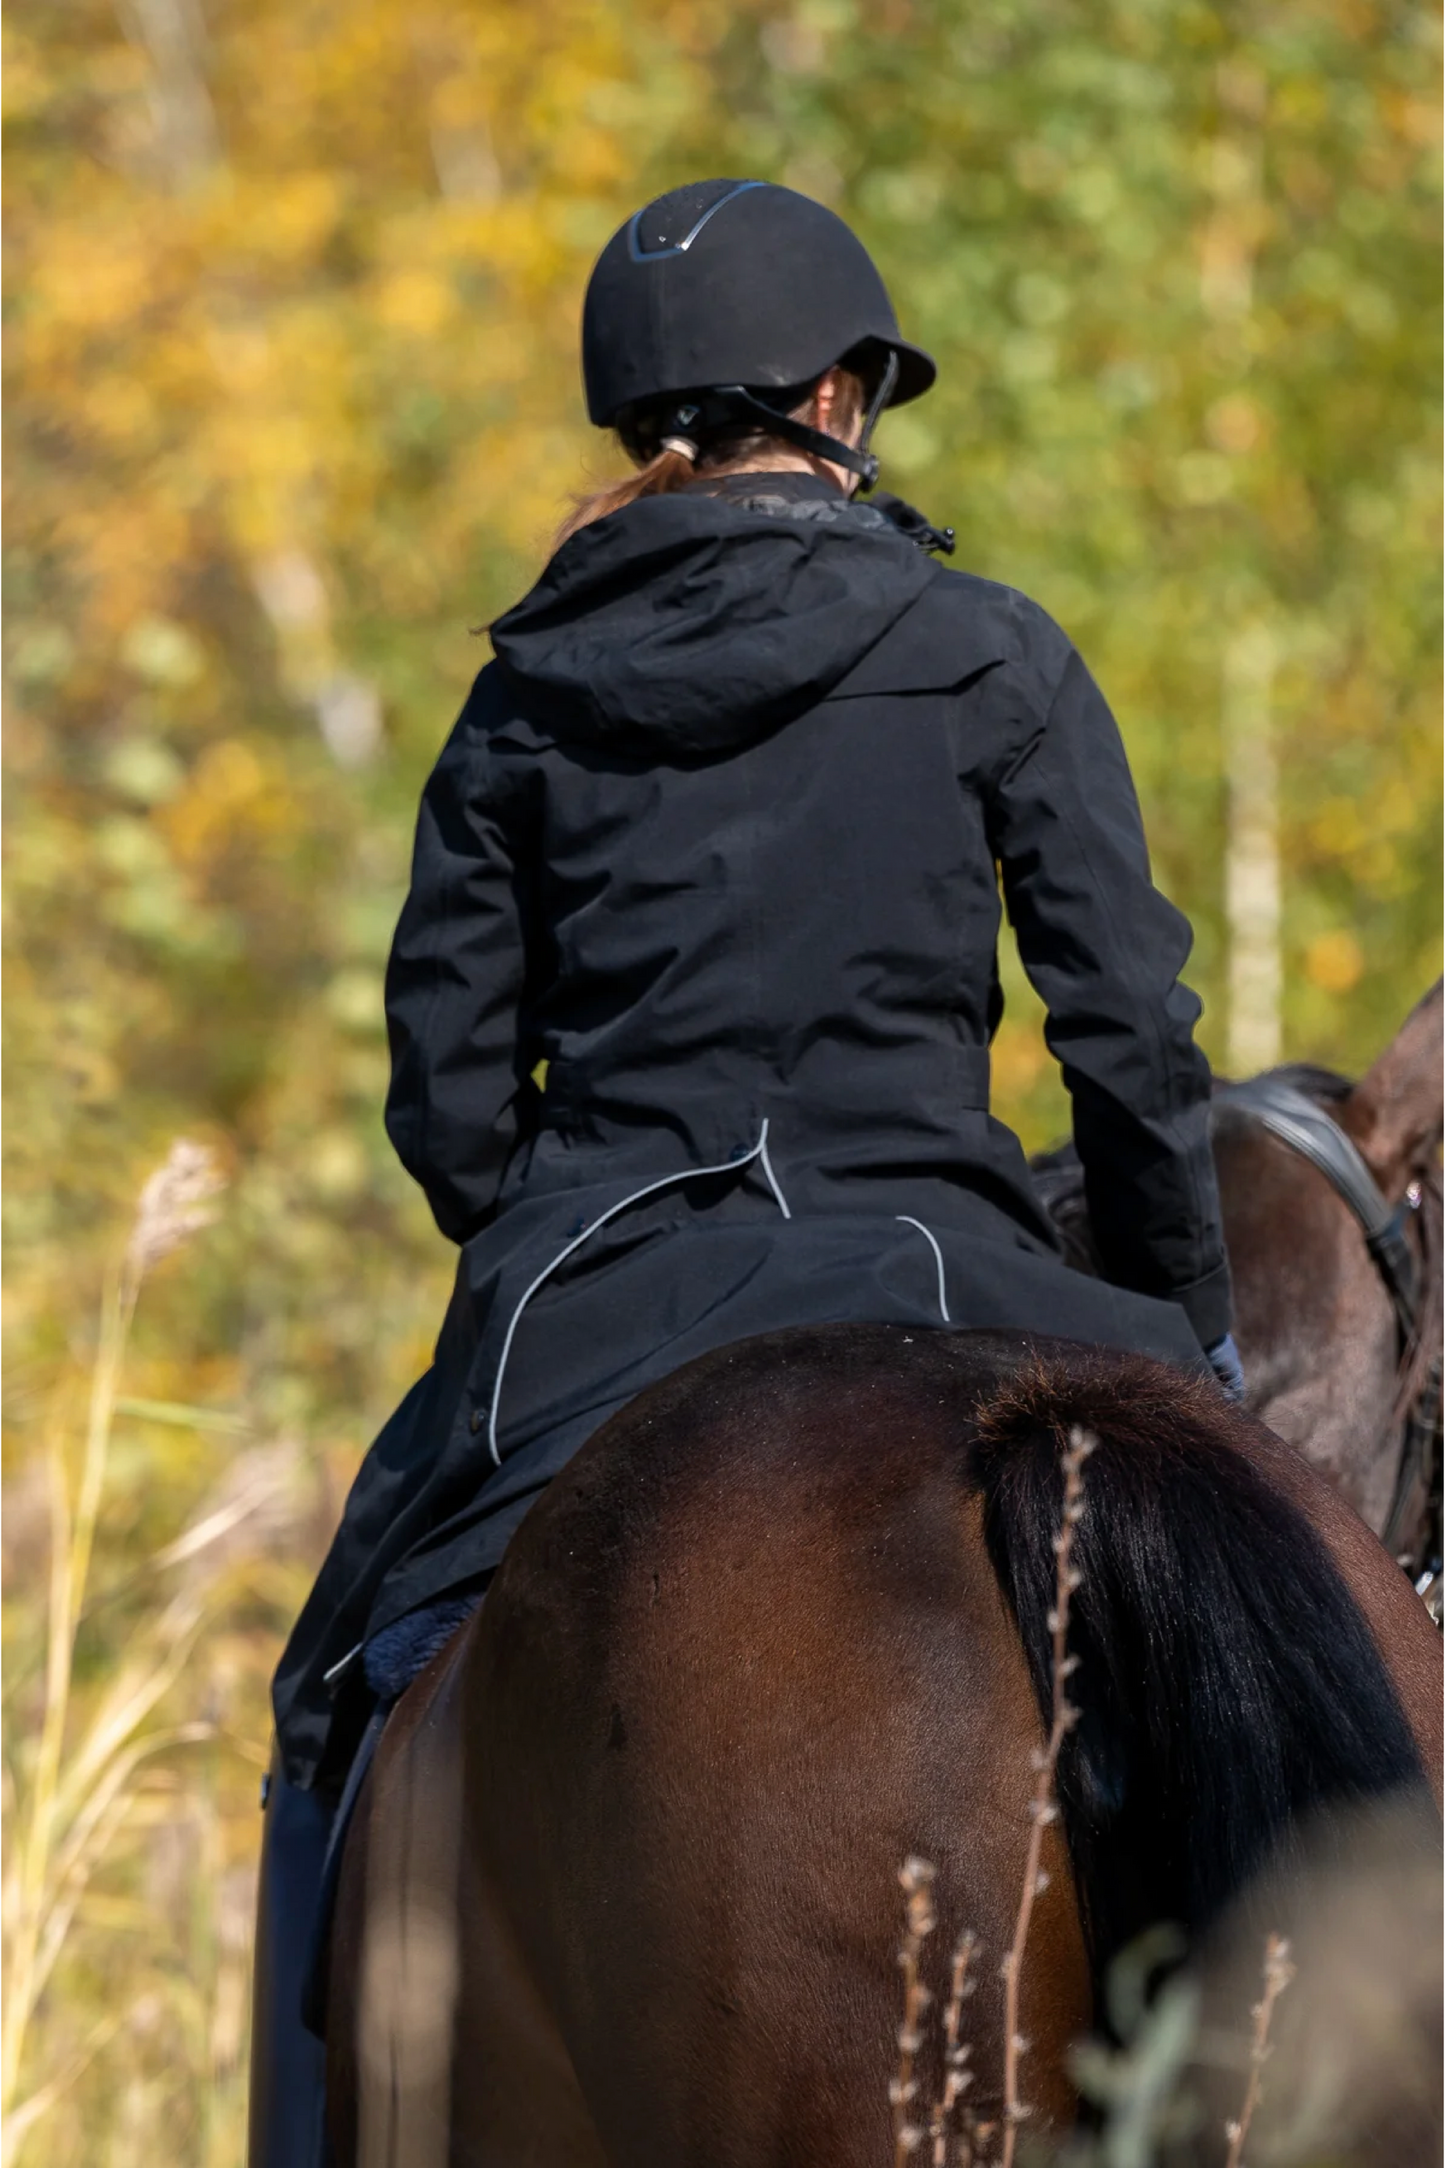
x=750, y=1651
x=746, y=1657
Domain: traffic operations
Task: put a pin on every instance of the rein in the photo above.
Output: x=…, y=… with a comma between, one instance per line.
x=1298, y=1121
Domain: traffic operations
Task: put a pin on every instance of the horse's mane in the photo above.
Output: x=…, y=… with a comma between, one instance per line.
x=1326, y=1085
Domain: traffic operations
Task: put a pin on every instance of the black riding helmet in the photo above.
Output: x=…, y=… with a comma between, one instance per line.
x=723, y=303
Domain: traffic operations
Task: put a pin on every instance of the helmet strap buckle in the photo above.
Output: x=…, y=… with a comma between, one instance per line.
x=737, y=401
x=876, y=405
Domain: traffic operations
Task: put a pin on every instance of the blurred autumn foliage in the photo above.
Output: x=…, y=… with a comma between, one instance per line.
x=293, y=406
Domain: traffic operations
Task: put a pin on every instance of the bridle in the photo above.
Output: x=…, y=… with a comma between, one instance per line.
x=1300, y=1122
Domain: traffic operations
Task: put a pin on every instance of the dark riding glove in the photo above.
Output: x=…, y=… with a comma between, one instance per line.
x=1225, y=1363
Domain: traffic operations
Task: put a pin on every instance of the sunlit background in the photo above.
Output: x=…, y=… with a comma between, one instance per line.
x=293, y=408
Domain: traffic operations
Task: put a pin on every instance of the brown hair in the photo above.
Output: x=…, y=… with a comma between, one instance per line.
x=731, y=451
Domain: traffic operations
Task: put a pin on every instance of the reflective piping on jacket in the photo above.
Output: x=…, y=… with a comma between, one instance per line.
x=664, y=1181
x=767, y=1167
x=331, y=1678
x=909, y=1221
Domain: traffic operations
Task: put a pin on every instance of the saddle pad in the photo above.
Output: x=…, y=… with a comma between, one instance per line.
x=393, y=1658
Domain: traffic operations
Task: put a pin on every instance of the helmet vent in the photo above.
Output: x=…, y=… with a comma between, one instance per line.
x=670, y=224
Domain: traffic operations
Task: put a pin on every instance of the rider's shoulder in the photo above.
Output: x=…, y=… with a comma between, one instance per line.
x=1021, y=628
x=960, y=628
x=487, y=754
x=495, y=718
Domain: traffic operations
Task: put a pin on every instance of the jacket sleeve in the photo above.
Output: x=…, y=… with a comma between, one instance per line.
x=454, y=989
x=1104, y=950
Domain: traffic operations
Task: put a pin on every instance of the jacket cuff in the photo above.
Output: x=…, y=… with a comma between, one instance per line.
x=1208, y=1304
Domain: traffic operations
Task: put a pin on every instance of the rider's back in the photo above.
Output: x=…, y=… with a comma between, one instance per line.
x=764, y=763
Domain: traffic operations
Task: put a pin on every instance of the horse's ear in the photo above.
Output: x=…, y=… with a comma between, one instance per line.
x=1394, y=1113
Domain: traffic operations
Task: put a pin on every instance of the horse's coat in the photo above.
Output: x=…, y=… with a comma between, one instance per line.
x=757, y=1645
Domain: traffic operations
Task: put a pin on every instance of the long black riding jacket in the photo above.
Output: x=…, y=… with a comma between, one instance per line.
x=719, y=836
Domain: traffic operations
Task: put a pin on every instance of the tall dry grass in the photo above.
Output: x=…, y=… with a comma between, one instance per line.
x=135, y=1728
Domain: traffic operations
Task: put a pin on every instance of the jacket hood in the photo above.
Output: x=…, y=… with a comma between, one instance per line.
x=697, y=622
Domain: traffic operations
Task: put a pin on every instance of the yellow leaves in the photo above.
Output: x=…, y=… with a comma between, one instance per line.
x=601, y=160
x=337, y=1165
x=695, y=26
x=1235, y=423
x=161, y=877
x=144, y=895
x=416, y=302
x=240, y=351
x=1018, y=1060
x=25, y=83
x=300, y=213
x=235, y=794
x=354, y=1000
x=1025, y=1088
x=1335, y=962
x=121, y=555
x=1338, y=829
x=1231, y=169
x=1417, y=120
x=237, y=353
x=1202, y=478
x=1368, y=837
x=227, y=778
x=160, y=650
x=222, y=477
x=43, y=652
x=121, y=412
x=95, y=281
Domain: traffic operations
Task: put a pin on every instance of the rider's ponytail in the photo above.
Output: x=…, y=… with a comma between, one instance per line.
x=667, y=470
x=674, y=464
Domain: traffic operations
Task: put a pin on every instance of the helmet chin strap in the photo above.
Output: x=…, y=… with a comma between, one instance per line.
x=734, y=402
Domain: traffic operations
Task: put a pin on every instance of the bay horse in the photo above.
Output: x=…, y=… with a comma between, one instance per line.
x=621, y=1890
x=1341, y=1344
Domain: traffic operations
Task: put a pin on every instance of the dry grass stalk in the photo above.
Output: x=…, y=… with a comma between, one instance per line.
x=73, y=1808
x=1278, y=1972
x=916, y=1877
x=1042, y=1807
x=176, y=1203
x=957, y=2077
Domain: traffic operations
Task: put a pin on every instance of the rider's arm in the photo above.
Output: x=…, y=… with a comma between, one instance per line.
x=454, y=986
x=1104, y=951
